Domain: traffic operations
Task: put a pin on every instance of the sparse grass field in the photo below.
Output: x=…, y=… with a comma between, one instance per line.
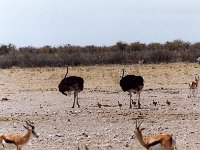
x=32, y=94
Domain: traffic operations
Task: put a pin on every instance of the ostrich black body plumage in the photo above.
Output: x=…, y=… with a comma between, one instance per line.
x=132, y=84
x=69, y=84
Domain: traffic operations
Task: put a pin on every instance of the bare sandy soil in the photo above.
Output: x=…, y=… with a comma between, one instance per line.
x=32, y=94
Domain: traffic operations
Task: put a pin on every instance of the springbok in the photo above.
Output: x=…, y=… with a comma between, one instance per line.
x=155, y=142
x=140, y=62
x=194, y=87
x=198, y=60
x=18, y=140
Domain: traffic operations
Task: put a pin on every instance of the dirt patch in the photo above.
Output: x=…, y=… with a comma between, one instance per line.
x=32, y=94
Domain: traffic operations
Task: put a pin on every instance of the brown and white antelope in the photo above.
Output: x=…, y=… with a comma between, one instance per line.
x=18, y=140
x=140, y=62
x=194, y=87
x=155, y=142
x=198, y=60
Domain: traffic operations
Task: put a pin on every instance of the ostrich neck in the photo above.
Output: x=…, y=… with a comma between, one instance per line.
x=123, y=74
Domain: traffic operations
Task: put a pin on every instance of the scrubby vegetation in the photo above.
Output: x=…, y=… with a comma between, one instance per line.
x=120, y=53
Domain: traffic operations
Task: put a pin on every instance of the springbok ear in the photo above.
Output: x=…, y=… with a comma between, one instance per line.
x=35, y=134
x=142, y=129
x=26, y=127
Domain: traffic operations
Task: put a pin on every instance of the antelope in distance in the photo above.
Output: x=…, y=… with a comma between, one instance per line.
x=194, y=87
x=155, y=142
x=69, y=84
x=140, y=62
x=132, y=84
x=198, y=60
x=18, y=140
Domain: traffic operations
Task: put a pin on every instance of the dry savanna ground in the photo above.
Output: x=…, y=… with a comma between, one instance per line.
x=32, y=94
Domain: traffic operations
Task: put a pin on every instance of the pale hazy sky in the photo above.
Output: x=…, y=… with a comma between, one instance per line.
x=97, y=22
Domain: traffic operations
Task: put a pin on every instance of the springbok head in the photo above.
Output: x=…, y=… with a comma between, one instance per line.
x=29, y=126
x=197, y=78
x=138, y=131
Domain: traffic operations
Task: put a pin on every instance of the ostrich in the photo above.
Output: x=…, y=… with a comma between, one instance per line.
x=99, y=105
x=168, y=103
x=119, y=104
x=155, y=103
x=132, y=84
x=69, y=84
